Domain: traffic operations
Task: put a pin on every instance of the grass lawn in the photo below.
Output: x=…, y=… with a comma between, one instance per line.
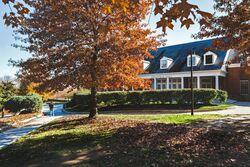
x=120, y=140
x=215, y=107
x=170, y=119
x=154, y=108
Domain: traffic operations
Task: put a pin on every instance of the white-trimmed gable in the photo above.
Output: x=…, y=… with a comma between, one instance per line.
x=195, y=59
x=209, y=58
x=165, y=62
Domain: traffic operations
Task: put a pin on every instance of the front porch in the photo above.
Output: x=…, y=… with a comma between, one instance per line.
x=180, y=80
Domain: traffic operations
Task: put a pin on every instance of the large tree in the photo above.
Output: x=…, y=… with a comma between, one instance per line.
x=77, y=43
x=231, y=23
x=170, y=11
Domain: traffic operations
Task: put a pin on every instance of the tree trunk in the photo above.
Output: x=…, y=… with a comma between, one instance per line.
x=93, y=101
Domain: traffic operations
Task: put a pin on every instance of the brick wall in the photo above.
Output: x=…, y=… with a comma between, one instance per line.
x=232, y=81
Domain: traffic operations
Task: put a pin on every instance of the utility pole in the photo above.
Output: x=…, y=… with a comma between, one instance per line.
x=192, y=87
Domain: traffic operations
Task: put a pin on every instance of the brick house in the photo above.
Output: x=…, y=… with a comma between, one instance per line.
x=170, y=69
x=237, y=81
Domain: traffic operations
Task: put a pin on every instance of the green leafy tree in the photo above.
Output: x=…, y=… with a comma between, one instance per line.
x=23, y=89
x=7, y=89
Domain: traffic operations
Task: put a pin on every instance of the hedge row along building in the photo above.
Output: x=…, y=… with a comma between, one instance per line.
x=170, y=69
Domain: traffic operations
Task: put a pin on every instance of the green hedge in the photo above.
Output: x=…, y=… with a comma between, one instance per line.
x=29, y=103
x=204, y=96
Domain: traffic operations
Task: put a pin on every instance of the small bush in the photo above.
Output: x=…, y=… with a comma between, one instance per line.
x=222, y=96
x=182, y=97
x=29, y=103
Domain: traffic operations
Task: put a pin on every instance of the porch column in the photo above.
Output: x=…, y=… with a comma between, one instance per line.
x=217, y=82
x=154, y=83
x=182, y=82
x=167, y=82
x=198, y=82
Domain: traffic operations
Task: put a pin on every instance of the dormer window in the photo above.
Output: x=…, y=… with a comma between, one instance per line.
x=209, y=58
x=195, y=60
x=145, y=64
x=165, y=62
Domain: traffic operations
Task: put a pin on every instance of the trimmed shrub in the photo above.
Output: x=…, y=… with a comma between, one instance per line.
x=112, y=98
x=135, y=98
x=222, y=96
x=205, y=96
x=29, y=103
x=181, y=97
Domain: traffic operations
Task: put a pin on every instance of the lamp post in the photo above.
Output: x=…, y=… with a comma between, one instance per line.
x=192, y=88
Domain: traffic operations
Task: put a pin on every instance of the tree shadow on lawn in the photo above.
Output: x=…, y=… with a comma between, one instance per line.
x=130, y=144
x=150, y=109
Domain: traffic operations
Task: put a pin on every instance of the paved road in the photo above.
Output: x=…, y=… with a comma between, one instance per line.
x=12, y=135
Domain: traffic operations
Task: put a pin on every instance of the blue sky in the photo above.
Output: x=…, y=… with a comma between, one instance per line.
x=176, y=36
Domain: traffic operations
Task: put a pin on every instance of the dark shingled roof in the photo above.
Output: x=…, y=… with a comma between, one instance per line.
x=179, y=55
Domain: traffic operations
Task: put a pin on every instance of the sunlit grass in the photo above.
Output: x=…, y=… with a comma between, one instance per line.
x=215, y=107
x=170, y=119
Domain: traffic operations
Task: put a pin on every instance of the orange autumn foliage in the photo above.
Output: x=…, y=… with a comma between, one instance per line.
x=125, y=76
x=77, y=44
x=233, y=27
x=31, y=88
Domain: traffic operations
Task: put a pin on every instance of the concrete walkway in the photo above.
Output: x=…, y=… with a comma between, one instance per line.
x=12, y=135
x=240, y=108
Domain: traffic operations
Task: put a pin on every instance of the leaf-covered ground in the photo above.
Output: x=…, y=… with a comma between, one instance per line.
x=110, y=141
x=14, y=121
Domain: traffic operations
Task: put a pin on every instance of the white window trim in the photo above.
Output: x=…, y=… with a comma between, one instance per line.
x=208, y=84
x=145, y=64
x=159, y=81
x=247, y=86
x=169, y=62
x=177, y=84
x=204, y=73
x=197, y=57
x=214, y=57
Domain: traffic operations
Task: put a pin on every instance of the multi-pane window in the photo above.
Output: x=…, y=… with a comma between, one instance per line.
x=164, y=64
x=244, y=87
x=194, y=82
x=174, y=83
x=208, y=59
x=161, y=84
x=207, y=82
x=195, y=60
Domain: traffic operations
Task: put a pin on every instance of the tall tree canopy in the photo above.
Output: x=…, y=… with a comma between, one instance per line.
x=169, y=10
x=232, y=25
x=80, y=43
